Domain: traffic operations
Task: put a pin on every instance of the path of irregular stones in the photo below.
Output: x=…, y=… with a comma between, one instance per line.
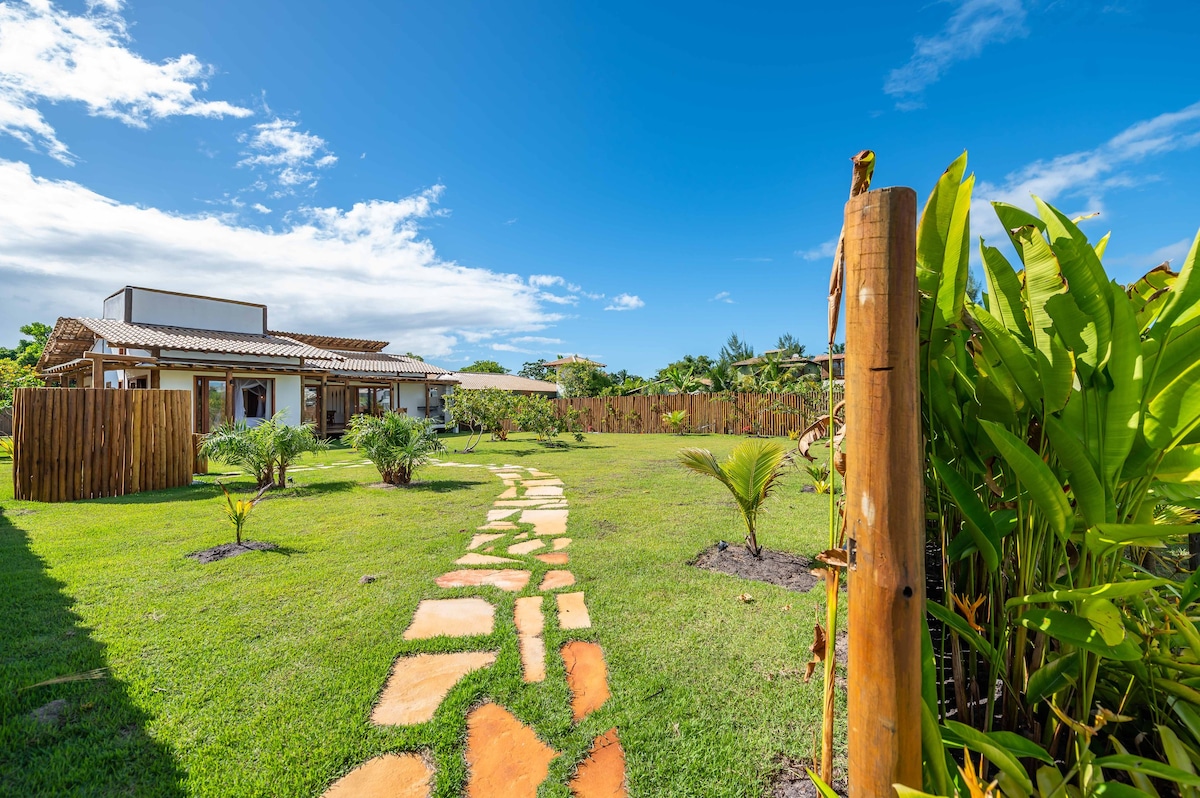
x=505, y=758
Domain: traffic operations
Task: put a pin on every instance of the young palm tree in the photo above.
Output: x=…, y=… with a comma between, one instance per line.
x=398, y=445
x=751, y=472
x=675, y=420
x=289, y=443
x=265, y=450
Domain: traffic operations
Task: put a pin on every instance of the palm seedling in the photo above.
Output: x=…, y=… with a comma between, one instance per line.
x=751, y=473
x=398, y=445
x=675, y=420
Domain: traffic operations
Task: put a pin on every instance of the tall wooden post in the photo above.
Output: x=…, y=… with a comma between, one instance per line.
x=883, y=493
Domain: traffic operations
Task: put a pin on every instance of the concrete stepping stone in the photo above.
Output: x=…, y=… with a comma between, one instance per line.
x=556, y=579
x=521, y=536
x=498, y=525
x=387, y=776
x=546, y=522
x=526, y=547
x=511, y=493
x=554, y=558
x=529, y=620
x=499, y=515
x=587, y=677
x=508, y=579
x=561, y=543
x=537, y=483
x=461, y=617
x=572, y=612
x=519, y=503
x=417, y=685
x=505, y=758
x=533, y=472
x=602, y=773
x=479, y=540
x=481, y=559
x=543, y=490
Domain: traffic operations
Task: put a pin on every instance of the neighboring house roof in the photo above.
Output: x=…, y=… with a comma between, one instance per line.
x=505, y=382
x=374, y=362
x=334, y=342
x=566, y=361
x=823, y=358
x=73, y=337
x=755, y=361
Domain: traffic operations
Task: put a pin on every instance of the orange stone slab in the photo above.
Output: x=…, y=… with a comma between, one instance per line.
x=543, y=490
x=505, y=759
x=510, y=493
x=417, y=685
x=529, y=620
x=461, y=617
x=587, y=677
x=498, y=525
x=572, y=612
x=387, y=776
x=557, y=579
x=554, y=558
x=498, y=515
x=602, y=774
x=481, y=559
x=561, y=543
x=537, y=483
x=533, y=472
x=479, y=540
x=546, y=522
x=508, y=579
x=526, y=547
x=518, y=502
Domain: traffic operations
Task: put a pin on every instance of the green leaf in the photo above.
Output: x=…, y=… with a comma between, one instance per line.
x=1117, y=789
x=964, y=630
x=1184, y=303
x=1085, y=485
x=1035, y=476
x=1149, y=767
x=1104, y=616
x=1076, y=631
x=1052, y=677
x=1175, y=410
x=823, y=788
x=1021, y=747
x=942, y=238
x=981, y=743
x=1104, y=537
x=1180, y=465
x=1123, y=410
x=1014, y=353
x=1110, y=590
x=936, y=774
x=1004, y=293
x=975, y=513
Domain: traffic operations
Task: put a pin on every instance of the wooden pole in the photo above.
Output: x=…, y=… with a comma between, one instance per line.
x=883, y=493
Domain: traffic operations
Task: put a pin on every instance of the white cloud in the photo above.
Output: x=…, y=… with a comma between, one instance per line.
x=290, y=154
x=545, y=280
x=511, y=348
x=1084, y=177
x=1171, y=253
x=973, y=25
x=558, y=299
x=722, y=296
x=819, y=252
x=626, y=302
x=258, y=206
x=51, y=56
x=535, y=339
x=365, y=271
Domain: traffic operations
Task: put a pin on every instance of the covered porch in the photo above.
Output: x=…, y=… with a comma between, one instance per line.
x=329, y=402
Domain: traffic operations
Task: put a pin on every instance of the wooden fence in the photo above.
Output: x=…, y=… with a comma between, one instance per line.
x=736, y=414
x=83, y=443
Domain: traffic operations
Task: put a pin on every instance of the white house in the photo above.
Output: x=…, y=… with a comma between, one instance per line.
x=224, y=352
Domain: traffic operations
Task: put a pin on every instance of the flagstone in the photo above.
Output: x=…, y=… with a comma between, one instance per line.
x=481, y=559
x=533, y=472
x=418, y=683
x=572, y=612
x=553, y=558
x=546, y=522
x=602, y=773
x=521, y=536
x=587, y=677
x=543, y=490
x=508, y=579
x=556, y=579
x=387, y=776
x=505, y=758
x=561, y=543
x=498, y=515
x=461, y=617
x=534, y=483
x=499, y=525
x=479, y=540
x=529, y=620
x=519, y=503
x=526, y=547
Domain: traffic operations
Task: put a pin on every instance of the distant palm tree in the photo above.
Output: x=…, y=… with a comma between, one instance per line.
x=681, y=380
x=398, y=445
x=751, y=473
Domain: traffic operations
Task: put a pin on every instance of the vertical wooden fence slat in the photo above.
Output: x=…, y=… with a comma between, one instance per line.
x=81, y=443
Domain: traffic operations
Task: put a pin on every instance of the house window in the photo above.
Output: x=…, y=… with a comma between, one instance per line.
x=210, y=403
x=252, y=400
x=383, y=400
x=363, y=401
x=312, y=404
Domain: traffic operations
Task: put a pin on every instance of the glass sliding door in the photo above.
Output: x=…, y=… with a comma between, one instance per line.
x=210, y=403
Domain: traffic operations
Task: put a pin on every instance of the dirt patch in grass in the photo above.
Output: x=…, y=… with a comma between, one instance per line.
x=792, y=781
x=227, y=550
x=774, y=567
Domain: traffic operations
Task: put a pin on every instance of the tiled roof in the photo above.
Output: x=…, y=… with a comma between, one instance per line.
x=156, y=336
x=505, y=382
x=569, y=359
x=380, y=362
x=334, y=341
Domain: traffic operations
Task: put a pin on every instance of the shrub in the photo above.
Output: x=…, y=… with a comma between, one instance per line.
x=481, y=410
x=264, y=451
x=751, y=473
x=537, y=414
x=397, y=444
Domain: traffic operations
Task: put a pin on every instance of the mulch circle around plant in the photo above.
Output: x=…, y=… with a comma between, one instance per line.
x=792, y=781
x=227, y=550
x=774, y=567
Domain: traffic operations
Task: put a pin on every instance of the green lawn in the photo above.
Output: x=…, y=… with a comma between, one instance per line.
x=255, y=675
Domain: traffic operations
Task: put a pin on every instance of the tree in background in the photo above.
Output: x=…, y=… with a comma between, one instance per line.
x=697, y=364
x=838, y=349
x=13, y=376
x=788, y=345
x=412, y=356
x=735, y=349
x=481, y=410
x=397, y=445
x=582, y=379
x=485, y=367
x=538, y=415
x=537, y=370
x=29, y=350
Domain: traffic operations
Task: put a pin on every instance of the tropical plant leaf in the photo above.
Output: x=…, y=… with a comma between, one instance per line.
x=1123, y=409
x=965, y=632
x=1051, y=678
x=980, y=743
x=1076, y=631
x=1149, y=767
x=1004, y=293
x=1109, y=590
x=1104, y=616
x=975, y=513
x=1036, y=477
x=1021, y=747
x=1085, y=485
x=1175, y=410
x=1184, y=303
x=941, y=245
x=1105, y=537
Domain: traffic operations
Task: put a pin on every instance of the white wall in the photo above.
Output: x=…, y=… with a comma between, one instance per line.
x=152, y=307
x=287, y=390
x=412, y=396
x=288, y=397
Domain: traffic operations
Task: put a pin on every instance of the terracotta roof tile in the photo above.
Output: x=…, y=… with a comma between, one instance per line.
x=505, y=382
x=156, y=336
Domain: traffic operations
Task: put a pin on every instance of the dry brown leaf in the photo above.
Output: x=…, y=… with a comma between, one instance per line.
x=819, y=650
x=837, y=558
x=745, y=598
x=811, y=434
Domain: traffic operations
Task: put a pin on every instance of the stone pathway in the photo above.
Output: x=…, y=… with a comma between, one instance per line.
x=505, y=757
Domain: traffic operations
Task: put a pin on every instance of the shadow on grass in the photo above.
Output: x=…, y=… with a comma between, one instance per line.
x=98, y=744
x=440, y=485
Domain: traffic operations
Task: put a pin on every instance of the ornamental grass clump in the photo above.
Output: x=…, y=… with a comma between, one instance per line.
x=397, y=444
x=751, y=473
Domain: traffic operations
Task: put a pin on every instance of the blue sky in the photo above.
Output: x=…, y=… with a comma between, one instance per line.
x=512, y=181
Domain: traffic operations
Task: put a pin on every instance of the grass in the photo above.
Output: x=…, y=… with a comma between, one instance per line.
x=255, y=675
